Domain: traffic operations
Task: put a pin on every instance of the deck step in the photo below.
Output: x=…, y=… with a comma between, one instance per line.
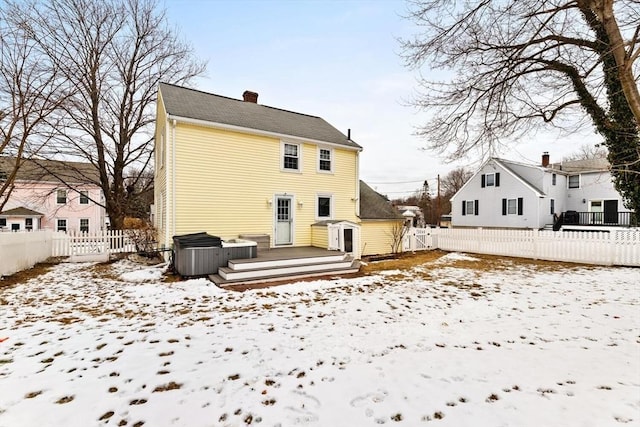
x=256, y=264
x=257, y=271
x=354, y=267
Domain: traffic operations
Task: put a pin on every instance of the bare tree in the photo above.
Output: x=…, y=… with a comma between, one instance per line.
x=113, y=53
x=454, y=180
x=588, y=151
x=451, y=183
x=397, y=232
x=29, y=93
x=519, y=64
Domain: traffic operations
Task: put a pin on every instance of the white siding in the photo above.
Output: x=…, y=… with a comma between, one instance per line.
x=490, y=202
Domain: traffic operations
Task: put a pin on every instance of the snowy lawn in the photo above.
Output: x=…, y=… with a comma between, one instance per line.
x=452, y=341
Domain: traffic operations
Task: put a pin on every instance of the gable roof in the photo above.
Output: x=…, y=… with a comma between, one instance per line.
x=374, y=205
x=20, y=211
x=504, y=165
x=52, y=170
x=181, y=102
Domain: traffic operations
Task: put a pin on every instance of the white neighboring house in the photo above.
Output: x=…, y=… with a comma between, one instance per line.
x=507, y=194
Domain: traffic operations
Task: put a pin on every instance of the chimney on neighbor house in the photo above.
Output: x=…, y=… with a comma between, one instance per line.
x=249, y=96
x=545, y=159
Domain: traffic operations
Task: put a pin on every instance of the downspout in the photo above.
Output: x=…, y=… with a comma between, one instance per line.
x=356, y=197
x=173, y=181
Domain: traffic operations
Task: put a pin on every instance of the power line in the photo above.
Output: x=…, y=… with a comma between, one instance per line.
x=400, y=182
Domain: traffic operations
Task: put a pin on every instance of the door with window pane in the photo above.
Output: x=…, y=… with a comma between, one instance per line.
x=284, y=220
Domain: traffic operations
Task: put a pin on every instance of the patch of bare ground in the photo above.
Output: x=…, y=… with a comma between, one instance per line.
x=26, y=275
x=480, y=263
x=404, y=261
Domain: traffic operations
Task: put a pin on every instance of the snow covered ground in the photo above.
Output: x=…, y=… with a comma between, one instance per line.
x=459, y=341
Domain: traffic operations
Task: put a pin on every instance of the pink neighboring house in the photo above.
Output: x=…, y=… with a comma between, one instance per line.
x=40, y=199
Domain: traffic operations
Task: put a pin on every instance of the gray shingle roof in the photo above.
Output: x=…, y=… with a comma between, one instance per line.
x=51, y=170
x=189, y=103
x=373, y=205
x=20, y=211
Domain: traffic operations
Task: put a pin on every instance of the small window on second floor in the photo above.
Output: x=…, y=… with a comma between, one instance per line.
x=61, y=197
x=574, y=181
x=84, y=197
x=553, y=179
x=491, y=180
x=291, y=157
x=324, y=159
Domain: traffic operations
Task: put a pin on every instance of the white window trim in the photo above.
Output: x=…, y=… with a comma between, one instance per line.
x=486, y=180
x=80, y=224
x=281, y=159
x=161, y=148
x=66, y=224
x=331, y=160
x=569, y=182
x=471, y=211
x=515, y=206
x=66, y=196
x=331, y=206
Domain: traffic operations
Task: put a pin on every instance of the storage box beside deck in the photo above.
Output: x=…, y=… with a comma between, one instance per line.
x=200, y=254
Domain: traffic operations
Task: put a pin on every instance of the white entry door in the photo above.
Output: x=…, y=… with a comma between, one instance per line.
x=284, y=220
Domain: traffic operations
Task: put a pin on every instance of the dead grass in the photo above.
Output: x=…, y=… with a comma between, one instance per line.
x=26, y=275
x=403, y=261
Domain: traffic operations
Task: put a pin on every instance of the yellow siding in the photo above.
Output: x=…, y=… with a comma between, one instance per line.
x=225, y=180
x=319, y=236
x=376, y=237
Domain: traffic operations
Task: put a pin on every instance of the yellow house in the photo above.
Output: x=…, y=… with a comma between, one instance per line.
x=236, y=168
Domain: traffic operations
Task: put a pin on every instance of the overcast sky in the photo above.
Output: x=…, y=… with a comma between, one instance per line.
x=337, y=60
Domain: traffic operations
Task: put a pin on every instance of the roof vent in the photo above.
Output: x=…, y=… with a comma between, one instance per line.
x=249, y=96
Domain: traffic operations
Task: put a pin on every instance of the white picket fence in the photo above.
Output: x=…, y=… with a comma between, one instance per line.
x=616, y=247
x=108, y=241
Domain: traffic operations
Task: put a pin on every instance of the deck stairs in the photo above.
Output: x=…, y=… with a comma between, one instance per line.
x=291, y=267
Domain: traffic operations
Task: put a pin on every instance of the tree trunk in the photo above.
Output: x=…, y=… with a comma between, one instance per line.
x=604, y=11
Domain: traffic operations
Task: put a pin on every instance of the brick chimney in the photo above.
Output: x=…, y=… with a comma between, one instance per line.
x=545, y=159
x=249, y=96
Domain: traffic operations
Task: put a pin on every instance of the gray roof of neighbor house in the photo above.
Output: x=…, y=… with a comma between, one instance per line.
x=51, y=170
x=585, y=165
x=20, y=211
x=194, y=104
x=374, y=205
